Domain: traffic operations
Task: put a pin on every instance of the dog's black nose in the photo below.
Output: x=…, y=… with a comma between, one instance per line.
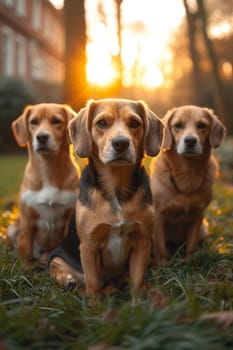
x=42, y=137
x=120, y=143
x=190, y=141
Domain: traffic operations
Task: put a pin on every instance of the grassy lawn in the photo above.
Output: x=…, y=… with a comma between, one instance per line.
x=35, y=314
x=12, y=167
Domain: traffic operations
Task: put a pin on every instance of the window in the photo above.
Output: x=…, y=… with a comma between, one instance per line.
x=20, y=8
x=46, y=24
x=36, y=14
x=7, y=51
x=36, y=62
x=8, y=3
x=20, y=53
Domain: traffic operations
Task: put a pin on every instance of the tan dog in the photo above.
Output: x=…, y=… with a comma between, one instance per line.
x=182, y=178
x=49, y=188
x=114, y=213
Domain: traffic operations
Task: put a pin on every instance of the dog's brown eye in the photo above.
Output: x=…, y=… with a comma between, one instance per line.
x=178, y=125
x=34, y=121
x=201, y=125
x=102, y=123
x=134, y=123
x=56, y=121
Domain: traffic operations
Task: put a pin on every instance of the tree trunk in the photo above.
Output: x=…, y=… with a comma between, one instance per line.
x=75, y=87
x=119, y=57
x=196, y=71
x=219, y=95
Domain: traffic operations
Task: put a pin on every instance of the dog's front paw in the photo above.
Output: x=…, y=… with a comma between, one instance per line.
x=159, y=260
x=29, y=263
x=94, y=300
x=188, y=256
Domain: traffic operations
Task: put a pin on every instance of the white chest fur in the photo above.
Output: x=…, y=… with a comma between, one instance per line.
x=117, y=242
x=50, y=203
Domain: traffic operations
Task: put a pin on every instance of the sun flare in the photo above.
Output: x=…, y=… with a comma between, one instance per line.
x=99, y=67
x=145, y=34
x=146, y=29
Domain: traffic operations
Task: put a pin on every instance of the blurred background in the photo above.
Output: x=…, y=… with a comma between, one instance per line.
x=165, y=52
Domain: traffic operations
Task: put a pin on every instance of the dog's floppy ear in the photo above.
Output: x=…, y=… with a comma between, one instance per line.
x=20, y=129
x=79, y=131
x=217, y=129
x=70, y=114
x=153, y=130
x=168, y=140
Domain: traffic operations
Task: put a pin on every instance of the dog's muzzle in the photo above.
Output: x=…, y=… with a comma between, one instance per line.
x=120, y=151
x=42, y=137
x=190, y=142
x=42, y=141
x=120, y=144
x=190, y=146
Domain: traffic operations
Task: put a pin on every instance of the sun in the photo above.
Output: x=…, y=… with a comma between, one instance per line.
x=147, y=27
x=57, y=3
x=145, y=35
x=99, y=68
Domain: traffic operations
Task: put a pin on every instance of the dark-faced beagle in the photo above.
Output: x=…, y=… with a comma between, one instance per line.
x=114, y=211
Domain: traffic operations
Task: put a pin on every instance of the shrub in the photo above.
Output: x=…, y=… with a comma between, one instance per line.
x=15, y=94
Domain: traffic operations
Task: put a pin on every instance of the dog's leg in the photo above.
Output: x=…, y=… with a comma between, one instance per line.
x=159, y=251
x=90, y=258
x=193, y=236
x=25, y=244
x=138, y=262
x=12, y=233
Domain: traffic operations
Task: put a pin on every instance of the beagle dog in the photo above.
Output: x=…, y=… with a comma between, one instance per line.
x=114, y=211
x=182, y=179
x=50, y=183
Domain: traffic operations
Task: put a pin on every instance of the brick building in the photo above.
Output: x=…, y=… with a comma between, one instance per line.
x=32, y=45
x=31, y=60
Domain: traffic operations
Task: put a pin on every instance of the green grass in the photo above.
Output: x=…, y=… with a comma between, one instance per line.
x=35, y=314
x=12, y=167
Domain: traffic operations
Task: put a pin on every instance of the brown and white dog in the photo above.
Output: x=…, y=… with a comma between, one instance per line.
x=114, y=212
x=182, y=178
x=50, y=183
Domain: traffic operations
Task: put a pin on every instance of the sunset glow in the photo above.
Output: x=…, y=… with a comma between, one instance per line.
x=146, y=29
x=102, y=42
x=57, y=3
x=220, y=30
x=147, y=26
x=99, y=68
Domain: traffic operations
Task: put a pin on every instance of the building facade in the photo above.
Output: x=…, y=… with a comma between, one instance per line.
x=32, y=45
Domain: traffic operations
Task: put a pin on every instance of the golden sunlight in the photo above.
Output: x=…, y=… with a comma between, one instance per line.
x=220, y=30
x=99, y=67
x=146, y=28
x=57, y=3
x=102, y=44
